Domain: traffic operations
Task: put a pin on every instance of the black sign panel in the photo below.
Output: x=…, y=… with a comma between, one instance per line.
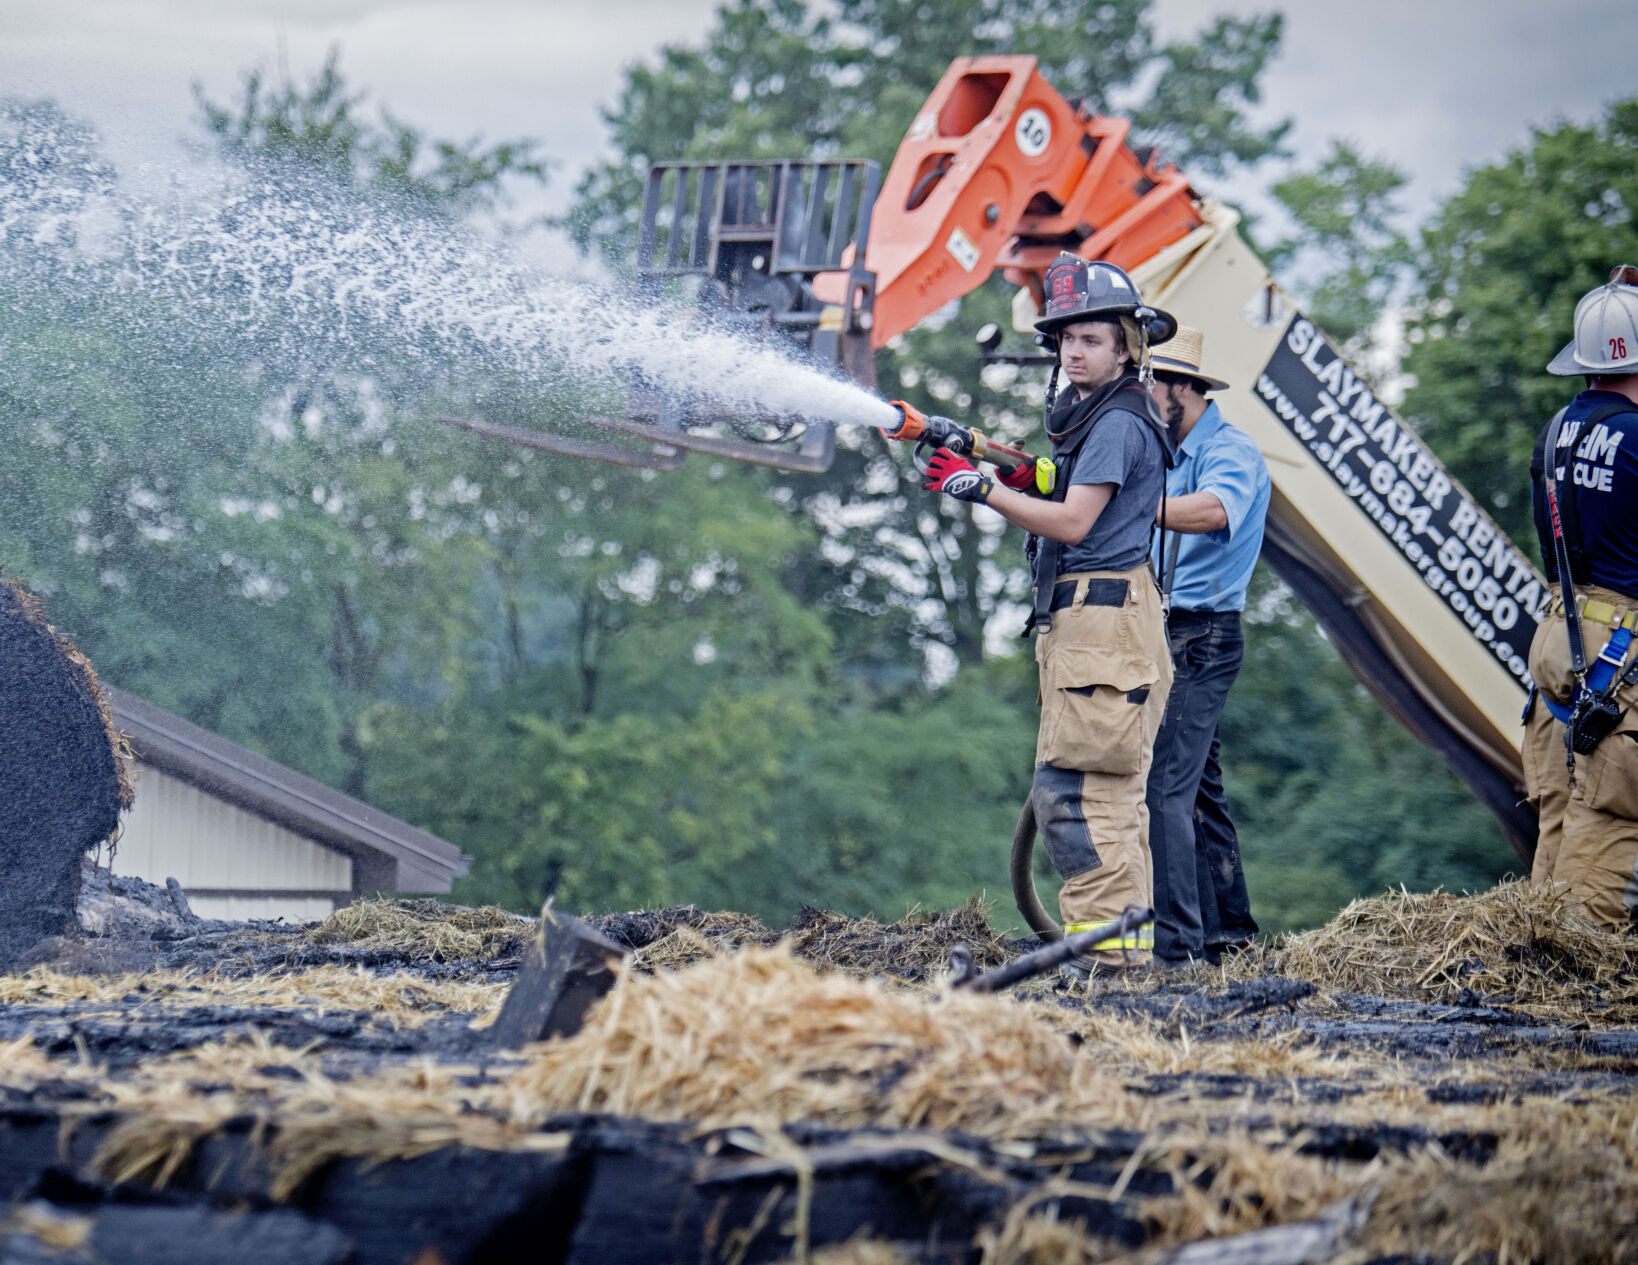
x=1400, y=487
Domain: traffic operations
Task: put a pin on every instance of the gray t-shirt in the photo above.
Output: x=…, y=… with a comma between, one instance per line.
x=1124, y=450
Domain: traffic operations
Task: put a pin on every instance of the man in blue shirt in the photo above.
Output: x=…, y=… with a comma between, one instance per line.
x=1589, y=821
x=1216, y=502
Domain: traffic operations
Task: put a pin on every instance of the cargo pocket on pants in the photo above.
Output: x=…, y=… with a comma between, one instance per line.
x=1608, y=778
x=1092, y=710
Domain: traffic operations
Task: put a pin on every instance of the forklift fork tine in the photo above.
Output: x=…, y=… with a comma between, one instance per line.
x=667, y=457
x=813, y=456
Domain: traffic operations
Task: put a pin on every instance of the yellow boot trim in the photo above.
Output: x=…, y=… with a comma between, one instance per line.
x=1144, y=938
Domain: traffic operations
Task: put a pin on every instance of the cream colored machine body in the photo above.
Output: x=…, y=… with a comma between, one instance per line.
x=1428, y=600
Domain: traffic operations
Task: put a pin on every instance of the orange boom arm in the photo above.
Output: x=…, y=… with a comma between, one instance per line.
x=1000, y=171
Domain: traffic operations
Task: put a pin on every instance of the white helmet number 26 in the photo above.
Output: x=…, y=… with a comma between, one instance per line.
x=1033, y=132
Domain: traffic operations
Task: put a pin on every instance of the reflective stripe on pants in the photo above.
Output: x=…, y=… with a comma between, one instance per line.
x=1143, y=938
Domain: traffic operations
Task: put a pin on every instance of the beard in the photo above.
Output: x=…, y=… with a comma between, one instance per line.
x=1174, y=421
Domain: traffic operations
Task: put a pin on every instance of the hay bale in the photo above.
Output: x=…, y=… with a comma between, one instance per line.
x=65, y=769
x=1530, y=945
x=760, y=1038
x=426, y=930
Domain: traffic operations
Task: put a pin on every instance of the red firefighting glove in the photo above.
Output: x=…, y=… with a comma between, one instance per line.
x=956, y=476
x=1020, y=478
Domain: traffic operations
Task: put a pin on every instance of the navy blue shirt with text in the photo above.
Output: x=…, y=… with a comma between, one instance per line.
x=1597, y=474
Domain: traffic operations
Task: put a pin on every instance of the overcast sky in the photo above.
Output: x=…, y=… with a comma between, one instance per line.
x=1435, y=86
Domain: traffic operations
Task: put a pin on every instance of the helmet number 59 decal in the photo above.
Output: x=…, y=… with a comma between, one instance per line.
x=1033, y=132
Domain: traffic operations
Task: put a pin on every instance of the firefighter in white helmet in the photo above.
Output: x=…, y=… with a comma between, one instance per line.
x=1581, y=740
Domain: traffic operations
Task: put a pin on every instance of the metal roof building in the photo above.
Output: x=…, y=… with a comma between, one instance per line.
x=249, y=838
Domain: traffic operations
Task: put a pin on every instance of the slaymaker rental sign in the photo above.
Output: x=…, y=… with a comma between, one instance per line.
x=1396, y=483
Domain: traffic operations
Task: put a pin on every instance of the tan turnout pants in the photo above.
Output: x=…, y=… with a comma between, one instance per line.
x=1589, y=833
x=1105, y=671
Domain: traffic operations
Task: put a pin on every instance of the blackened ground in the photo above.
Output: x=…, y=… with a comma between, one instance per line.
x=722, y=1195
x=611, y=1191
x=1466, y=1027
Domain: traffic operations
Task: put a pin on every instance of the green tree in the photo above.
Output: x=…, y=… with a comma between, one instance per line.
x=1345, y=241
x=781, y=78
x=1499, y=271
x=320, y=125
x=357, y=518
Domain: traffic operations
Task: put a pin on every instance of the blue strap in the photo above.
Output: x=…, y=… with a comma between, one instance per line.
x=1599, y=677
x=1604, y=668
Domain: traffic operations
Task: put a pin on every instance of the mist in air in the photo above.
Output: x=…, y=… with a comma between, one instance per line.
x=307, y=277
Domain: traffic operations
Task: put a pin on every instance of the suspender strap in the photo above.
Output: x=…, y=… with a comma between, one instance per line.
x=1168, y=575
x=1561, y=550
x=1046, y=577
x=1592, y=712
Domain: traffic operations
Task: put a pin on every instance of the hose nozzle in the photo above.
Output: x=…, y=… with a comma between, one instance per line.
x=912, y=423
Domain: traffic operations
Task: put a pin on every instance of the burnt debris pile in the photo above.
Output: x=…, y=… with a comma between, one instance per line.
x=1381, y=1088
x=916, y=948
x=65, y=775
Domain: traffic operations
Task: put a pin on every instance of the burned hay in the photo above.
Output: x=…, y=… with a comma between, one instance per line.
x=760, y=1038
x=915, y=947
x=1520, y=943
x=666, y=939
x=426, y=930
x=646, y=927
x=1235, y=1121
x=404, y=999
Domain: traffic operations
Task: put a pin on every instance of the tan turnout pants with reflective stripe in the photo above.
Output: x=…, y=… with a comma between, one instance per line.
x=1105, y=673
x=1589, y=833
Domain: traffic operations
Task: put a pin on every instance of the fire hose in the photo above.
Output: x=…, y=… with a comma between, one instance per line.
x=1023, y=878
x=965, y=973
x=963, y=441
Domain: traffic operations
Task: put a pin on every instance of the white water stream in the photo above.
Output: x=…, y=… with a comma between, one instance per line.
x=320, y=273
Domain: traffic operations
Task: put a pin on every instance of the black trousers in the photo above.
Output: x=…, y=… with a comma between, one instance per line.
x=1201, y=901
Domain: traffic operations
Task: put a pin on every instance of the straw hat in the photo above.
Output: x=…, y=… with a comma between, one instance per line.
x=1181, y=354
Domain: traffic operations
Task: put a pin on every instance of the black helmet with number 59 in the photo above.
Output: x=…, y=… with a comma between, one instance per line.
x=1078, y=290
